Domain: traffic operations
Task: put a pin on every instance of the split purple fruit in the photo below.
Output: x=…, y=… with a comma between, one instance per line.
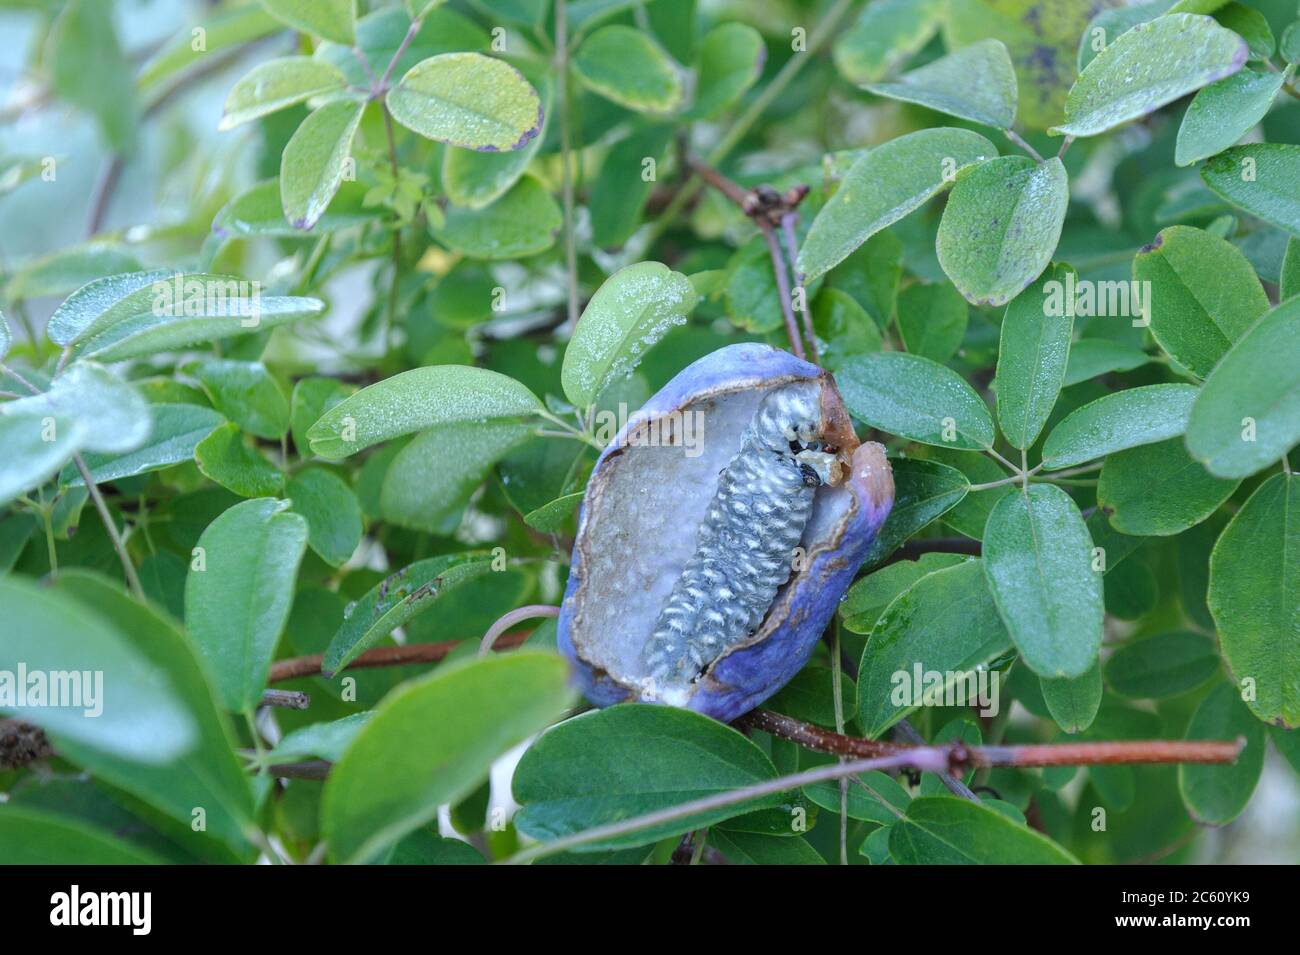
x=719, y=531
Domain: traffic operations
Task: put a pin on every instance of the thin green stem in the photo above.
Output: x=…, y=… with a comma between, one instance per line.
x=837, y=696
x=992, y=452
x=1013, y=479
x=933, y=760
x=119, y=545
x=49, y=537
x=569, y=431
x=1071, y=472
x=566, y=158
x=397, y=232
x=823, y=32
x=1016, y=138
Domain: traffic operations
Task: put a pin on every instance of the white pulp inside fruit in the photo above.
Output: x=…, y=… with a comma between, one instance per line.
x=639, y=531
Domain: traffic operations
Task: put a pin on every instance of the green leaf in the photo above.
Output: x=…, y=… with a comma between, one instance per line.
x=278, y=84
x=1073, y=703
x=383, y=33
x=61, y=272
x=223, y=30
x=237, y=604
x=947, y=624
x=475, y=179
x=1259, y=178
x=867, y=599
x=915, y=398
x=257, y=212
x=332, y=512
x=1287, y=743
x=943, y=830
x=872, y=797
x=96, y=689
x=1090, y=357
x=99, y=303
x=627, y=66
x=923, y=490
x=730, y=62
x=1247, y=415
x=1216, y=795
x=1147, y=67
x=225, y=458
x=221, y=317
x=1223, y=112
x=87, y=68
x=1254, y=575
x=422, y=847
x=1032, y=358
x=1038, y=560
x=6, y=339
x=330, y=19
x=630, y=312
x=1203, y=295
x=1112, y=23
x=932, y=320
x=1289, y=280
x=323, y=740
x=975, y=83
x=810, y=697
x=550, y=517
x=36, y=837
x=245, y=392
x=748, y=848
x=394, y=601
x=311, y=398
x=36, y=446
x=1290, y=43
x=843, y=327
x=431, y=479
x=1042, y=42
x=315, y=160
x=481, y=708
x=883, y=186
x=1001, y=225
x=208, y=774
x=1251, y=25
x=1165, y=665
x=116, y=417
x=523, y=222
x=577, y=775
x=467, y=100
x=1124, y=419
x=753, y=300
x=177, y=430
x=1159, y=489
x=416, y=400
x=884, y=36
x=621, y=188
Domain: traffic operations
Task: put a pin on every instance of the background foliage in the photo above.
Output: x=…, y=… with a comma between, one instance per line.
x=395, y=453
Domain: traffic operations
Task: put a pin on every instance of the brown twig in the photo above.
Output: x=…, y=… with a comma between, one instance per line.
x=311, y=769
x=790, y=234
x=22, y=743
x=296, y=667
x=960, y=756
x=106, y=185
x=906, y=731
x=770, y=211
x=289, y=699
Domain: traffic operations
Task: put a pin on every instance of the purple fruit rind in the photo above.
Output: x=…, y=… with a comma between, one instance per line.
x=750, y=673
